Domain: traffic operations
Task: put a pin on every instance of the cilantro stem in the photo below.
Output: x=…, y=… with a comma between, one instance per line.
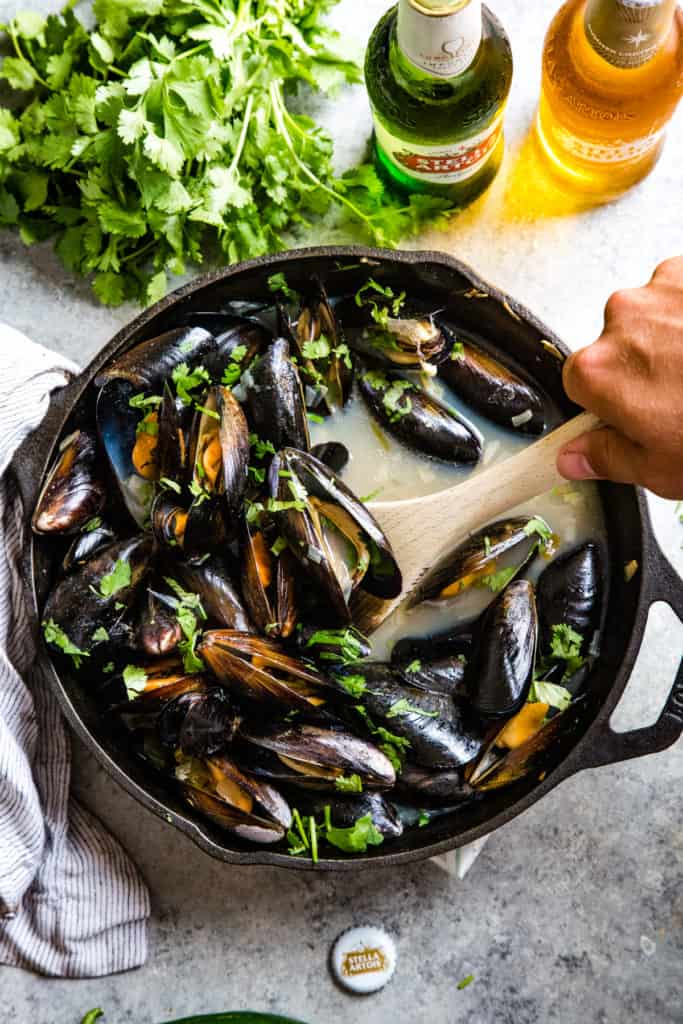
x=243, y=134
x=139, y=252
x=22, y=57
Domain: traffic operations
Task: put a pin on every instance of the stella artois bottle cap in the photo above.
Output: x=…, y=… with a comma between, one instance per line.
x=439, y=6
x=363, y=959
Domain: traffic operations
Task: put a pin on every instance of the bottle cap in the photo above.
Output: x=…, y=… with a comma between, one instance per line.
x=363, y=959
x=439, y=7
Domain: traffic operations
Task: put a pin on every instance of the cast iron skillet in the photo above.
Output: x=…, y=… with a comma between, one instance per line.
x=482, y=309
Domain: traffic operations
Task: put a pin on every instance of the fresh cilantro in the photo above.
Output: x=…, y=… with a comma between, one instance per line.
x=372, y=495
x=565, y=645
x=487, y=546
x=92, y=1016
x=54, y=634
x=135, y=680
x=380, y=314
x=207, y=412
x=414, y=666
x=197, y=492
x=279, y=546
x=261, y=448
x=550, y=693
x=348, y=644
x=354, y=685
x=188, y=610
x=118, y=579
x=349, y=784
x=393, y=754
x=497, y=581
x=396, y=401
x=278, y=283
x=319, y=349
x=395, y=747
x=423, y=819
x=141, y=401
x=100, y=635
x=458, y=351
x=273, y=505
x=357, y=838
x=187, y=380
x=167, y=484
x=404, y=707
x=541, y=529
x=108, y=668
x=400, y=742
x=149, y=424
x=465, y=982
x=233, y=371
x=257, y=474
x=314, y=417
x=93, y=524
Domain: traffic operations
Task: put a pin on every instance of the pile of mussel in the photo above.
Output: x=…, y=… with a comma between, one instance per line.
x=210, y=558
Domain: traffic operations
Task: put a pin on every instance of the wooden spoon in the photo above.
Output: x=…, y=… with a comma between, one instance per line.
x=422, y=530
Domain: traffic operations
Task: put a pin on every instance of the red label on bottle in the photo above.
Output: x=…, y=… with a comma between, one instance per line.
x=443, y=164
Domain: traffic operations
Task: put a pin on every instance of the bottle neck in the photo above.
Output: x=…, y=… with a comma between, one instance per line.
x=628, y=33
x=439, y=38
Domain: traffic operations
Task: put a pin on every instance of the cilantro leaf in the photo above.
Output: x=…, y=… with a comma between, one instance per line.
x=565, y=645
x=135, y=680
x=357, y=838
x=553, y=694
x=404, y=707
x=55, y=635
x=349, y=784
x=118, y=579
x=100, y=635
x=278, y=283
x=187, y=380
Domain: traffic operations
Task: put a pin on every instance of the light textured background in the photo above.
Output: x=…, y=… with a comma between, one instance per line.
x=574, y=912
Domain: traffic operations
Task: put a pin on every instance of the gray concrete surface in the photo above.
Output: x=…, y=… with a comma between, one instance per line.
x=574, y=912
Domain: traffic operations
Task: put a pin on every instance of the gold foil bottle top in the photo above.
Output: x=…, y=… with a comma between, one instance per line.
x=628, y=33
x=438, y=7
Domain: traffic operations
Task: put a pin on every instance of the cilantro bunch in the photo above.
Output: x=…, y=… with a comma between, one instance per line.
x=164, y=137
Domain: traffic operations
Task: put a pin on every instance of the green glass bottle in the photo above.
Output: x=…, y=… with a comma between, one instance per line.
x=438, y=73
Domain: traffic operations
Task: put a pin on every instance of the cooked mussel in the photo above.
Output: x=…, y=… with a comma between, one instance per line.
x=417, y=419
x=148, y=364
x=408, y=342
x=331, y=533
x=95, y=535
x=487, y=560
x=175, y=421
x=317, y=757
x=238, y=339
x=88, y=604
x=168, y=518
x=274, y=399
x=502, y=668
x=234, y=800
x=493, y=389
x=198, y=724
x=324, y=356
x=434, y=788
x=73, y=492
x=269, y=584
x=440, y=675
x=260, y=670
x=437, y=730
x=345, y=810
x=158, y=630
x=450, y=643
x=569, y=592
x=334, y=454
x=212, y=579
x=130, y=435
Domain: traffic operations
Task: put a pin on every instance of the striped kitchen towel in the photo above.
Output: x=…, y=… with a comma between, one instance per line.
x=71, y=902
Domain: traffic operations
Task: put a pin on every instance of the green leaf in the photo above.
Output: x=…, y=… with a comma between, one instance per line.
x=349, y=784
x=497, y=581
x=132, y=125
x=354, y=685
x=100, y=635
x=29, y=25
x=163, y=154
x=135, y=680
x=187, y=380
x=55, y=635
x=404, y=707
x=19, y=73
x=92, y=1016
x=465, y=982
x=347, y=644
x=119, y=221
x=414, y=666
x=118, y=579
x=156, y=287
x=109, y=288
x=423, y=819
x=102, y=48
x=357, y=838
x=93, y=524
x=550, y=693
x=540, y=528
x=9, y=130
x=278, y=283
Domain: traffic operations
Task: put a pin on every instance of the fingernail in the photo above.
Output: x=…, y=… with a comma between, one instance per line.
x=575, y=466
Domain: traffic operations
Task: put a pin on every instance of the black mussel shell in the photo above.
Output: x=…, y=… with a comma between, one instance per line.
x=166, y=681
x=268, y=584
x=87, y=544
x=322, y=754
x=321, y=493
x=131, y=451
x=198, y=724
x=346, y=809
x=569, y=592
x=493, y=389
x=220, y=448
x=333, y=371
x=212, y=579
x=502, y=668
x=444, y=675
x=231, y=333
x=158, y=630
x=77, y=603
x=257, y=669
x=417, y=419
x=477, y=559
x=147, y=365
x=433, y=646
x=334, y=454
x=175, y=423
x=434, y=788
x=437, y=729
x=73, y=492
x=274, y=399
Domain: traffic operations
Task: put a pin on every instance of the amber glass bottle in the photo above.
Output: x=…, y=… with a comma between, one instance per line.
x=438, y=74
x=612, y=76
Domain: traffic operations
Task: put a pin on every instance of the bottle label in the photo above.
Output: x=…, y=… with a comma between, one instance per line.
x=443, y=45
x=628, y=33
x=612, y=152
x=444, y=164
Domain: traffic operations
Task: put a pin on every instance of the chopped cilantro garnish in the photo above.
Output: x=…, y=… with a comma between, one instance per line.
x=169, y=485
x=357, y=838
x=198, y=492
x=465, y=982
x=279, y=546
x=135, y=680
x=414, y=666
x=100, y=635
x=148, y=425
x=187, y=380
x=497, y=581
x=539, y=527
x=257, y=474
x=273, y=505
x=278, y=283
x=233, y=371
x=550, y=693
x=319, y=349
x=404, y=707
x=93, y=524
x=207, y=412
x=108, y=668
x=349, y=784
x=314, y=417
x=565, y=645
x=458, y=351
x=354, y=685
x=372, y=495
x=188, y=610
x=54, y=634
x=423, y=819
x=118, y=579
x=380, y=314
x=348, y=643
x=141, y=401
x=261, y=448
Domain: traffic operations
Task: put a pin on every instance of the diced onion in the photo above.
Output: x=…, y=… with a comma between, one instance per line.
x=521, y=418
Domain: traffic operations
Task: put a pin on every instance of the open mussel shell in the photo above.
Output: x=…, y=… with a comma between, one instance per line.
x=174, y=437
x=147, y=365
x=83, y=547
x=427, y=788
x=220, y=447
x=198, y=724
x=274, y=399
x=493, y=389
x=131, y=452
x=158, y=631
x=260, y=670
x=346, y=809
x=407, y=342
x=417, y=419
x=501, y=671
x=168, y=518
x=73, y=492
x=166, y=681
x=332, y=371
x=234, y=336
x=234, y=800
x=213, y=580
x=439, y=731
x=77, y=603
x=569, y=592
x=332, y=533
x=321, y=755
x=504, y=545
x=334, y=454
x=268, y=584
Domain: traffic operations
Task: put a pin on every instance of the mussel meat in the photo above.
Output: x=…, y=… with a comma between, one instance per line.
x=130, y=437
x=408, y=342
x=502, y=668
x=417, y=419
x=269, y=584
x=158, y=630
x=324, y=356
x=73, y=492
x=493, y=389
x=275, y=399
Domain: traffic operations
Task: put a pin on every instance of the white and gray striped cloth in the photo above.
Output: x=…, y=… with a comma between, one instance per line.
x=71, y=902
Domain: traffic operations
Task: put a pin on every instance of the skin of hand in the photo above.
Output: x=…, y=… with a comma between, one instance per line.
x=632, y=378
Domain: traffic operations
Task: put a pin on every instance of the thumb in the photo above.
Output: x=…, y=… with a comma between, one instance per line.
x=603, y=454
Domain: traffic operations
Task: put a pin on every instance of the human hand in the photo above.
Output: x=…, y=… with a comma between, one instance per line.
x=632, y=378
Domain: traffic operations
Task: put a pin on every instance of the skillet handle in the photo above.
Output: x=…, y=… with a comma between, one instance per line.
x=606, y=746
